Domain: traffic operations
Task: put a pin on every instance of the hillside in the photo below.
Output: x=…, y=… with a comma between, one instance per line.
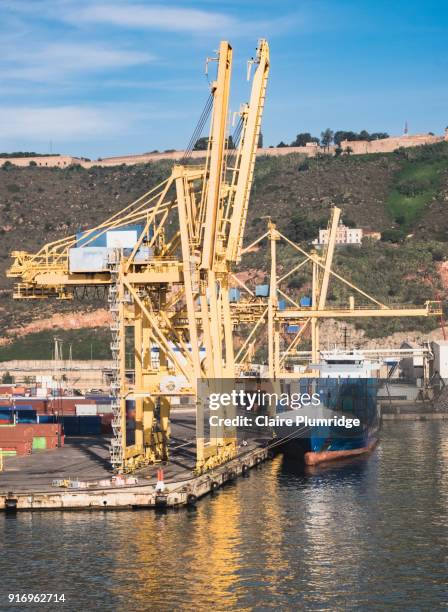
x=398, y=194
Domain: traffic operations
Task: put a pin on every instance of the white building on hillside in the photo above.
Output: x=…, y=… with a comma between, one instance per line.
x=344, y=235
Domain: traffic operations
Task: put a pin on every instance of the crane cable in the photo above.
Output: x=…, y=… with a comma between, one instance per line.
x=198, y=129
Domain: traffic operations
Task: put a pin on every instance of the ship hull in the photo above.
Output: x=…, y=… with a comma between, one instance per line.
x=349, y=398
x=314, y=458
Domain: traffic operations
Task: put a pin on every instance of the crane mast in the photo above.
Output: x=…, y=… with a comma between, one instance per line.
x=170, y=292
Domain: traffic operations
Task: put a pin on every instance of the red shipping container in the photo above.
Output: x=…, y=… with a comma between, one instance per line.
x=21, y=448
x=37, y=404
x=6, y=389
x=27, y=431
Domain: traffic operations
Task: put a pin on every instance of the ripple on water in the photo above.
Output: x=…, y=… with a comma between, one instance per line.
x=368, y=532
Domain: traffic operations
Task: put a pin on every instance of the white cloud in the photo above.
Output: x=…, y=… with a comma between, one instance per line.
x=64, y=122
x=155, y=16
x=158, y=17
x=59, y=60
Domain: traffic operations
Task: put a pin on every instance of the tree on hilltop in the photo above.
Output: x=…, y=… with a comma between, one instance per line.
x=349, y=135
x=201, y=144
x=302, y=139
x=326, y=138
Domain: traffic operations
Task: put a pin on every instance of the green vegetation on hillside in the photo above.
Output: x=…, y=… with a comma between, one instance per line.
x=405, y=192
x=416, y=184
x=404, y=275
x=395, y=275
x=86, y=344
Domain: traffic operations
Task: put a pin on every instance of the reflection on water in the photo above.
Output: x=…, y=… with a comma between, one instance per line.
x=369, y=532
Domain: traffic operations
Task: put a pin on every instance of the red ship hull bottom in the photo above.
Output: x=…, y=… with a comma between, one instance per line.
x=314, y=458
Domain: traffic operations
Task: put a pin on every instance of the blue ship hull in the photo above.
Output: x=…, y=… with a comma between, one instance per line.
x=353, y=398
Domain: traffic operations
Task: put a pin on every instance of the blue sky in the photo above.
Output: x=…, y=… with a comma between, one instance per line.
x=108, y=77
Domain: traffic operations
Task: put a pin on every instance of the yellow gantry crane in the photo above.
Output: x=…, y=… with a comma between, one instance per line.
x=167, y=261
x=267, y=317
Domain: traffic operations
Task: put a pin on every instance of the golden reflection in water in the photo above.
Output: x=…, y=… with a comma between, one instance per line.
x=273, y=527
x=206, y=547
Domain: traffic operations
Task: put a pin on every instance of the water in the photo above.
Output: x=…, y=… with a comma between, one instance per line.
x=369, y=533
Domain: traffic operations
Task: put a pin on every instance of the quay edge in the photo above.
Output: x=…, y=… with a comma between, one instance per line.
x=183, y=492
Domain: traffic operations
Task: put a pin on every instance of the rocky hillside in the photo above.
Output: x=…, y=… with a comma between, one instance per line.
x=404, y=195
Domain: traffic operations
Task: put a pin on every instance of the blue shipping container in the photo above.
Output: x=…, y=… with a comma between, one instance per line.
x=100, y=399
x=26, y=416
x=293, y=329
x=71, y=425
x=89, y=425
x=262, y=290
x=305, y=302
x=46, y=418
x=82, y=425
x=234, y=295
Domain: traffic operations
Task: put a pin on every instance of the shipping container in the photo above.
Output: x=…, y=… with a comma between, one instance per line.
x=6, y=389
x=26, y=431
x=46, y=418
x=25, y=416
x=39, y=443
x=82, y=425
x=20, y=448
x=262, y=290
x=98, y=397
x=89, y=425
x=104, y=409
x=86, y=409
x=234, y=295
x=71, y=425
x=38, y=404
x=305, y=301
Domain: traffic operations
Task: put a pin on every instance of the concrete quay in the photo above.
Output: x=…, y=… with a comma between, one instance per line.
x=26, y=482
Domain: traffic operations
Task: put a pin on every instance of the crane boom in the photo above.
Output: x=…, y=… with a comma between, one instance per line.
x=249, y=147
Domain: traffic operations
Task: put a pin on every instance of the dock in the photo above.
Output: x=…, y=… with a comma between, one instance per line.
x=26, y=482
x=413, y=411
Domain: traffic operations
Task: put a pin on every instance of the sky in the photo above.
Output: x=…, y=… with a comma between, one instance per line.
x=97, y=78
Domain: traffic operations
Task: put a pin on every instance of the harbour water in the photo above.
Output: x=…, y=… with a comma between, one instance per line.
x=367, y=533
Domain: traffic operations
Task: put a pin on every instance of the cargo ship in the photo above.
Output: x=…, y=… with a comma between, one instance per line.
x=347, y=389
